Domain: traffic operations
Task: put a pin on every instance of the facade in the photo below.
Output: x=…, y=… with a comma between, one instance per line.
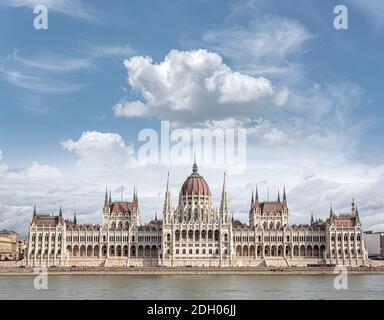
x=195, y=233
x=374, y=242
x=12, y=246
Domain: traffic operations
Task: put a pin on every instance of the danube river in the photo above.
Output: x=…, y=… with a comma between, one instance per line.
x=192, y=287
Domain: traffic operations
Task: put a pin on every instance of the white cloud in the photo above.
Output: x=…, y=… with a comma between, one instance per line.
x=130, y=109
x=36, y=170
x=72, y=8
x=100, y=51
x=263, y=47
x=190, y=86
x=100, y=152
x=55, y=63
x=48, y=74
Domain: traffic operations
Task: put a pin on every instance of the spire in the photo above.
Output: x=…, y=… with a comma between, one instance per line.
x=312, y=220
x=194, y=167
x=156, y=216
x=224, y=205
x=357, y=216
x=285, y=204
x=278, y=195
x=353, y=210
x=110, y=196
x=331, y=211
x=252, y=200
x=167, y=211
x=60, y=212
x=106, y=200
x=255, y=201
x=74, y=218
x=34, y=210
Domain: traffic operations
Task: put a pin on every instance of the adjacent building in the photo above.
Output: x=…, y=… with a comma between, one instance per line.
x=12, y=246
x=374, y=242
x=196, y=233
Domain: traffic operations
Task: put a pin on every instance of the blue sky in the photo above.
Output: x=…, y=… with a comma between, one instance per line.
x=58, y=84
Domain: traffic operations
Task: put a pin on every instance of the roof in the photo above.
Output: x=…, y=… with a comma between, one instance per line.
x=344, y=220
x=122, y=207
x=154, y=223
x=237, y=224
x=8, y=233
x=195, y=184
x=271, y=207
x=47, y=220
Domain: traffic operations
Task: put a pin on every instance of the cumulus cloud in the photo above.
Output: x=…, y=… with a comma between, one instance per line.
x=36, y=170
x=189, y=86
x=99, y=151
x=130, y=109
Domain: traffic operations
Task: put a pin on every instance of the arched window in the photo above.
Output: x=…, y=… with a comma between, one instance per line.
x=217, y=234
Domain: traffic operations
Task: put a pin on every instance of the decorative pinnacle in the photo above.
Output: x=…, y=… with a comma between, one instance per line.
x=195, y=167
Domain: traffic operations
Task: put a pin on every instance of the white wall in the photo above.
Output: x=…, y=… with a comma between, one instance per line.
x=372, y=243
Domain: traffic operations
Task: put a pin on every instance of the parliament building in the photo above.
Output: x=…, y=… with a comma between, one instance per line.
x=196, y=234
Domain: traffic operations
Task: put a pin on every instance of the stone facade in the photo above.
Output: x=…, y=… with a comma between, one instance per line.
x=196, y=234
x=12, y=246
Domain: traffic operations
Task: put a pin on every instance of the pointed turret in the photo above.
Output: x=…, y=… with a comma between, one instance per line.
x=357, y=220
x=331, y=212
x=195, y=168
x=353, y=210
x=110, y=196
x=285, y=203
x=224, y=205
x=167, y=211
x=60, y=212
x=34, y=210
x=257, y=204
x=312, y=220
x=106, y=200
x=74, y=218
x=252, y=200
x=278, y=195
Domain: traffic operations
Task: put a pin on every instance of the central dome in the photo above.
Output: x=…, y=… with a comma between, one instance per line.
x=195, y=184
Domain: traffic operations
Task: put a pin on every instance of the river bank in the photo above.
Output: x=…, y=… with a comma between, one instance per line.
x=193, y=271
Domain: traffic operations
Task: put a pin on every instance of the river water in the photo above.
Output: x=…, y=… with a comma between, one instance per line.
x=173, y=287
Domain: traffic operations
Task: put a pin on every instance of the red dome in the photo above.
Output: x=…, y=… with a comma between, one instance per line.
x=195, y=184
